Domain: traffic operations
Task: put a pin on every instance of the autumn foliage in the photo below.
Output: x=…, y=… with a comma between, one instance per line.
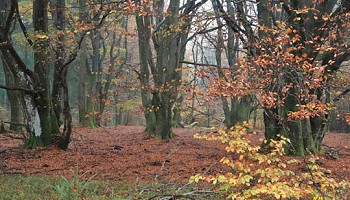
x=262, y=173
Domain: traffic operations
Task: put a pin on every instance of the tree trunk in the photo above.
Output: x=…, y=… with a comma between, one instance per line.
x=82, y=69
x=95, y=78
x=177, y=119
x=14, y=99
x=163, y=115
x=240, y=110
x=306, y=134
x=60, y=93
x=236, y=110
x=42, y=69
x=144, y=35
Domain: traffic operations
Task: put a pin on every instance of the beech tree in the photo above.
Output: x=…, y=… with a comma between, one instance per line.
x=43, y=106
x=291, y=58
x=237, y=108
x=160, y=69
x=34, y=83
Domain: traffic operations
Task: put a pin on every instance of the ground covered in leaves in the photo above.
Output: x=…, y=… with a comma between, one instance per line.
x=125, y=153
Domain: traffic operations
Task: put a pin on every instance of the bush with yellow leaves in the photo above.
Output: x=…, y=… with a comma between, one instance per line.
x=255, y=174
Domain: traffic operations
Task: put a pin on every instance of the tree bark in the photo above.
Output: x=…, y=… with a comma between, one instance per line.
x=236, y=110
x=14, y=100
x=169, y=45
x=42, y=69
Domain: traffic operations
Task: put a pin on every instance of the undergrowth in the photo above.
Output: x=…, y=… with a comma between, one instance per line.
x=18, y=187
x=265, y=173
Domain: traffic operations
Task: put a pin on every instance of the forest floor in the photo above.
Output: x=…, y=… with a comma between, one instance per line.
x=124, y=153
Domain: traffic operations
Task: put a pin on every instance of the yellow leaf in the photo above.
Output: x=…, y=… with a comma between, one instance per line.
x=278, y=196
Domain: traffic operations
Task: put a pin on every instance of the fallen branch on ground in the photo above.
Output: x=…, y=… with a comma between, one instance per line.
x=188, y=195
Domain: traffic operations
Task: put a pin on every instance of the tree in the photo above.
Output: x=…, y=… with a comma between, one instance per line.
x=15, y=103
x=95, y=72
x=168, y=30
x=237, y=108
x=41, y=103
x=33, y=82
x=298, y=46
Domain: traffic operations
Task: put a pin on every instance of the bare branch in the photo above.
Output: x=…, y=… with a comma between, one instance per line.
x=21, y=24
x=10, y=16
x=341, y=95
x=198, y=64
x=74, y=55
x=30, y=91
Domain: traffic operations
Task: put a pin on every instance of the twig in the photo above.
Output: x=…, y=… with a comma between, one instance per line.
x=29, y=91
x=188, y=195
x=341, y=95
x=170, y=197
x=212, y=165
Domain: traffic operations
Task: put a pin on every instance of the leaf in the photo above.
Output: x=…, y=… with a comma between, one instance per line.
x=41, y=36
x=325, y=18
x=222, y=179
x=278, y=196
x=224, y=187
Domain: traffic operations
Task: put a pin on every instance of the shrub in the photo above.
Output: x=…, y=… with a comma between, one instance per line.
x=255, y=173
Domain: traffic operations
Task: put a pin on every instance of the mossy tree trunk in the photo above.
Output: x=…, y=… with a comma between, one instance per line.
x=169, y=42
x=311, y=33
x=236, y=110
x=42, y=69
x=306, y=135
x=60, y=94
x=42, y=117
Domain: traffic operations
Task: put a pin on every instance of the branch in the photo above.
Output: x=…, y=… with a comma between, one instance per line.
x=198, y=64
x=171, y=196
x=10, y=17
x=74, y=55
x=22, y=66
x=191, y=6
x=138, y=73
x=341, y=95
x=204, y=31
x=21, y=24
x=230, y=22
x=189, y=195
x=18, y=89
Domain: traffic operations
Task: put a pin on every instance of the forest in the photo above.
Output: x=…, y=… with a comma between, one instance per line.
x=174, y=99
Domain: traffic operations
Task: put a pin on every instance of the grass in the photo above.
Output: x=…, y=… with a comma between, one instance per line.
x=13, y=187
